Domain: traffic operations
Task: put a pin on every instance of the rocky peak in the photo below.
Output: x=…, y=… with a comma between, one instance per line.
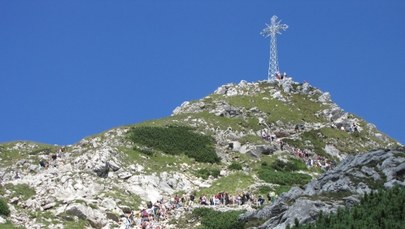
x=253, y=125
x=296, y=112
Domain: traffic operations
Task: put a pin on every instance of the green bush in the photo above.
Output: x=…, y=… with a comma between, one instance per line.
x=289, y=166
x=268, y=174
x=235, y=166
x=384, y=209
x=4, y=210
x=176, y=140
x=264, y=189
x=205, y=173
x=211, y=219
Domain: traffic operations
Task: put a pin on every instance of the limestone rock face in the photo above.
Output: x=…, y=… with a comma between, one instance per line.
x=96, y=218
x=325, y=98
x=354, y=176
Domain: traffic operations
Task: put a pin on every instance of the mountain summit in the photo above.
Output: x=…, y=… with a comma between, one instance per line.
x=224, y=152
x=299, y=114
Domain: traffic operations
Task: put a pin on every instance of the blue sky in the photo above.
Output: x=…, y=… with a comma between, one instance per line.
x=70, y=69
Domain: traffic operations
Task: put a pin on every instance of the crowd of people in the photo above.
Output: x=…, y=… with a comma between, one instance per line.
x=154, y=216
x=310, y=159
x=313, y=160
x=44, y=163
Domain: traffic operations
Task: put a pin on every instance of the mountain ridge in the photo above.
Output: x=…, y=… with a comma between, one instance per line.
x=253, y=125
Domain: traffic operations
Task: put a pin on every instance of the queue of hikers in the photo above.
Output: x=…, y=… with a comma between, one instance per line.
x=154, y=216
x=44, y=163
x=310, y=159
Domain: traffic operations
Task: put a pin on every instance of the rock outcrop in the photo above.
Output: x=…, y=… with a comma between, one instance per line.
x=341, y=186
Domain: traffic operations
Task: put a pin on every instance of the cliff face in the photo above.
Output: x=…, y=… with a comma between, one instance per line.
x=254, y=128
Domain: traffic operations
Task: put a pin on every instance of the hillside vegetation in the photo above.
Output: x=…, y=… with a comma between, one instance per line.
x=252, y=139
x=175, y=140
x=384, y=209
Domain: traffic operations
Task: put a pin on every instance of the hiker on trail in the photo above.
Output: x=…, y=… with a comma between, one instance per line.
x=264, y=134
x=43, y=163
x=149, y=204
x=260, y=201
x=248, y=196
x=17, y=175
x=269, y=199
x=281, y=145
x=144, y=216
x=192, y=197
x=354, y=128
x=203, y=200
x=226, y=198
x=156, y=211
x=60, y=152
x=238, y=199
x=129, y=220
x=278, y=76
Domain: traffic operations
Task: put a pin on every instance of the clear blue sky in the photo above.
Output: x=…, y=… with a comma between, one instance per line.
x=70, y=69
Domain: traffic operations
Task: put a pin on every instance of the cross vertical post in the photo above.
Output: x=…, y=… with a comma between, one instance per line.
x=271, y=31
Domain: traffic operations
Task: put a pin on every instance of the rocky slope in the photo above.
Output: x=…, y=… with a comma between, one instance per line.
x=96, y=181
x=342, y=186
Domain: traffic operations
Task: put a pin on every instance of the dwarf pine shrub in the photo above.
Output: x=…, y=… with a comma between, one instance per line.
x=211, y=219
x=4, y=210
x=176, y=140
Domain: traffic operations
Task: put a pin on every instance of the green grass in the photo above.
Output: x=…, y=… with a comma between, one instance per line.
x=234, y=183
x=184, y=119
x=291, y=165
x=222, y=123
x=281, y=189
x=10, y=156
x=22, y=191
x=347, y=142
x=264, y=189
x=43, y=217
x=156, y=163
x=80, y=224
x=206, y=172
x=254, y=139
x=244, y=159
x=307, y=108
x=344, y=141
x=302, y=108
x=9, y=225
x=235, y=166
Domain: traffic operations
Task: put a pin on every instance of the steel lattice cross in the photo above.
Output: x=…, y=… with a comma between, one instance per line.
x=271, y=31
